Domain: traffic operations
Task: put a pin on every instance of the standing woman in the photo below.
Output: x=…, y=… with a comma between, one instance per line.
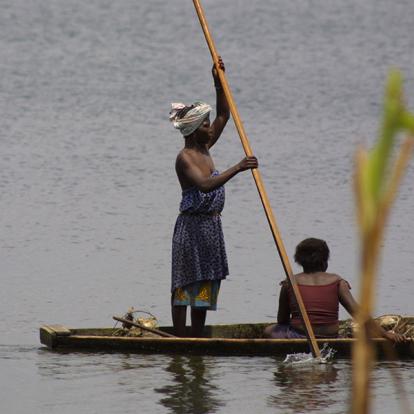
x=199, y=261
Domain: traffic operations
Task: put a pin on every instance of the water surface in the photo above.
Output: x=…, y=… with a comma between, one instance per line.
x=89, y=195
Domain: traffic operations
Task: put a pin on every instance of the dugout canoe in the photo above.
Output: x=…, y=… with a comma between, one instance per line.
x=235, y=339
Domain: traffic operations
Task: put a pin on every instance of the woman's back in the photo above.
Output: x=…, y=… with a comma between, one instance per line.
x=320, y=294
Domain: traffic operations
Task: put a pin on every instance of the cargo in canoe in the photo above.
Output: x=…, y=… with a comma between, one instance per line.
x=235, y=339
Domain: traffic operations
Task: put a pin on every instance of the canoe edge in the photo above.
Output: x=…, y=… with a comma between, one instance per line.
x=49, y=333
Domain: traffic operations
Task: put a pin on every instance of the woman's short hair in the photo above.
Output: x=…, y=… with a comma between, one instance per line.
x=313, y=255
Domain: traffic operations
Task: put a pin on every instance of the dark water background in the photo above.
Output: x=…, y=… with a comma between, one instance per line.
x=89, y=195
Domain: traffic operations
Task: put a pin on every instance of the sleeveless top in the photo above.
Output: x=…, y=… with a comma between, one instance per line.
x=321, y=303
x=195, y=201
x=198, y=250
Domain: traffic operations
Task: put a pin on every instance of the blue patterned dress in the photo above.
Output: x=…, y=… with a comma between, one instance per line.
x=198, y=251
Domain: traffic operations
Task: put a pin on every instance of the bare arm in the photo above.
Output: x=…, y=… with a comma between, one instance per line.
x=193, y=174
x=283, y=313
x=222, y=107
x=346, y=299
x=348, y=302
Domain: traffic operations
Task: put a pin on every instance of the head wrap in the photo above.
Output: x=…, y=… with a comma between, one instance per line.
x=193, y=117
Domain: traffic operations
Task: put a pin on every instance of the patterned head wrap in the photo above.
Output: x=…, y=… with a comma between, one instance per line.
x=188, y=118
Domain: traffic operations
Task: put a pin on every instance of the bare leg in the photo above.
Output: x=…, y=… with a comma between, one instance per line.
x=179, y=315
x=198, y=320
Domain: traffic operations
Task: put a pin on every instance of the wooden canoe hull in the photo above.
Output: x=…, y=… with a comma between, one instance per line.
x=222, y=340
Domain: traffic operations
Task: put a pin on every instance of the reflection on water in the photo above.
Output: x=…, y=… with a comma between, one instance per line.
x=158, y=384
x=304, y=387
x=192, y=390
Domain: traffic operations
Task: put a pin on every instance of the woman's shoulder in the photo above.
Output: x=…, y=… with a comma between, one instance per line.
x=333, y=276
x=317, y=279
x=322, y=278
x=183, y=156
x=339, y=279
x=185, y=159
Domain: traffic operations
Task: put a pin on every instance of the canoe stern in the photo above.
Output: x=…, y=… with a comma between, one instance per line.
x=49, y=334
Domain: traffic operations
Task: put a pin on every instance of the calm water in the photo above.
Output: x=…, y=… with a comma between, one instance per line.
x=89, y=194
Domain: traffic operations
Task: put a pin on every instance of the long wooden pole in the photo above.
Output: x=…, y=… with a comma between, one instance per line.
x=258, y=180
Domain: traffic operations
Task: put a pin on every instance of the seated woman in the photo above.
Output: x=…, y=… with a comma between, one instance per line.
x=321, y=293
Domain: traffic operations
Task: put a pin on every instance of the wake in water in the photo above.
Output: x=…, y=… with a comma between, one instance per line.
x=327, y=355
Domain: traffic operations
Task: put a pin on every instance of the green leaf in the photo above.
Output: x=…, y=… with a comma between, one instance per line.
x=392, y=121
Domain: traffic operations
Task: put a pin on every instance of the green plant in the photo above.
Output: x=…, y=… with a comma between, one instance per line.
x=377, y=179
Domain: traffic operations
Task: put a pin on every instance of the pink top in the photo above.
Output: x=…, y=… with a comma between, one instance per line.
x=321, y=302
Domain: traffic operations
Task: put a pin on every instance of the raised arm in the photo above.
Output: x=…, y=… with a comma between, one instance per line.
x=222, y=107
x=188, y=171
